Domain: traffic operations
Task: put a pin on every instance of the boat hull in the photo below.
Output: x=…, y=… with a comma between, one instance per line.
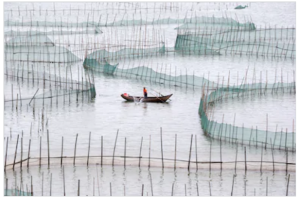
x=161, y=99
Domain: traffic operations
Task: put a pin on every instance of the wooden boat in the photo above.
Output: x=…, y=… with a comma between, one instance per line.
x=148, y=99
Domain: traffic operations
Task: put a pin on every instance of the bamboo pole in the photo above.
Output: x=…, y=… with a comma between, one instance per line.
x=125, y=154
x=75, y=149
x=175, y=151
x=196, y=153
x=172, y=189
x=287, y=160
x=272, y=149
x=48, y=148
x=267, y=186
x=93, y=186
x=16, y=152
x=78, y=193
x=101, y=151
x=245, y=160
x=31, y=186
x=209, y=188
x=162, y=153
x=62, y=150
x=64, y=184
x=87, y=163
x=261, y=159
x=210, y=156
x=140, y=155
x=42, y=183
x=287, y=186
x=28, y=153
x=236, y=153
x=232, y=185
x=151, y=184
x=51, y=184
x=190, y=152
x=149, y=151
x=21, y=152
x=113, y=160
x=40, y=159
x=6, y=156
x=110, y=188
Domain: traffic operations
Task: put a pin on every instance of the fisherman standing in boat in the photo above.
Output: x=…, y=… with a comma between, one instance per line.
x=145, y=92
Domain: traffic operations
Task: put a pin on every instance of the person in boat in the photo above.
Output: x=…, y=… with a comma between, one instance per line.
x=145, y=92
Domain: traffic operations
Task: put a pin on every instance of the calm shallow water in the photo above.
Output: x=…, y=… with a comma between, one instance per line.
x=96, y=180
x=108, y=113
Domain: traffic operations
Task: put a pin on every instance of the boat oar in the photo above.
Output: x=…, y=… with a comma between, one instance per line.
x=156, y=91
x=158, y=98
x=159, y=93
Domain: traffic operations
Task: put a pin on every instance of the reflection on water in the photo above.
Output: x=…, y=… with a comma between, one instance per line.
x=129, y=181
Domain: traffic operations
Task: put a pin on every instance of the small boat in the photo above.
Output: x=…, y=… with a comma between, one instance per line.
x=148, y=99
x=240, y=7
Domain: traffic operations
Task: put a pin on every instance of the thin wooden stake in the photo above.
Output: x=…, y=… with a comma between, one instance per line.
x=162, y=152
x=149, y=151
x=50, y=184
x=87, y=163
x=6, y=156
x=190, y=152
x=101, y=150
x=78, y=194
x=267, y=187
x=210, y=156
x=125, y=154
x=40, y=159
x=172, y=189
x=21, y=152
x=62, y=150
x=48, y=148
x=16, y=152
x=261, y=157
x=287, y=186
x=93, y=186
x=151, y=184
x=113, y=160
x=245, y=159
x=75, y=149
x=236, y=153
x=110, y=188
x=232, y=186
x=140, y=156
x=31, y=186
x=175, y=151
x=272, y=149
x=64, y=181
x=287, y=161
x=196, y=153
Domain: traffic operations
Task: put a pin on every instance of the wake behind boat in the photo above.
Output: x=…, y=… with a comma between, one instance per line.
x=148, y=99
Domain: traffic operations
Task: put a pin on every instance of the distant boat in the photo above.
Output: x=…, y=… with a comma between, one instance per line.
x=148, y=99
x=240, y=7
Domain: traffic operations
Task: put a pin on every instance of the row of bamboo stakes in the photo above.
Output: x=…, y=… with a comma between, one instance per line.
x=18, y=190
x=189, y=161
x=162, y=161
x=57, y=82
x=161, y=7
